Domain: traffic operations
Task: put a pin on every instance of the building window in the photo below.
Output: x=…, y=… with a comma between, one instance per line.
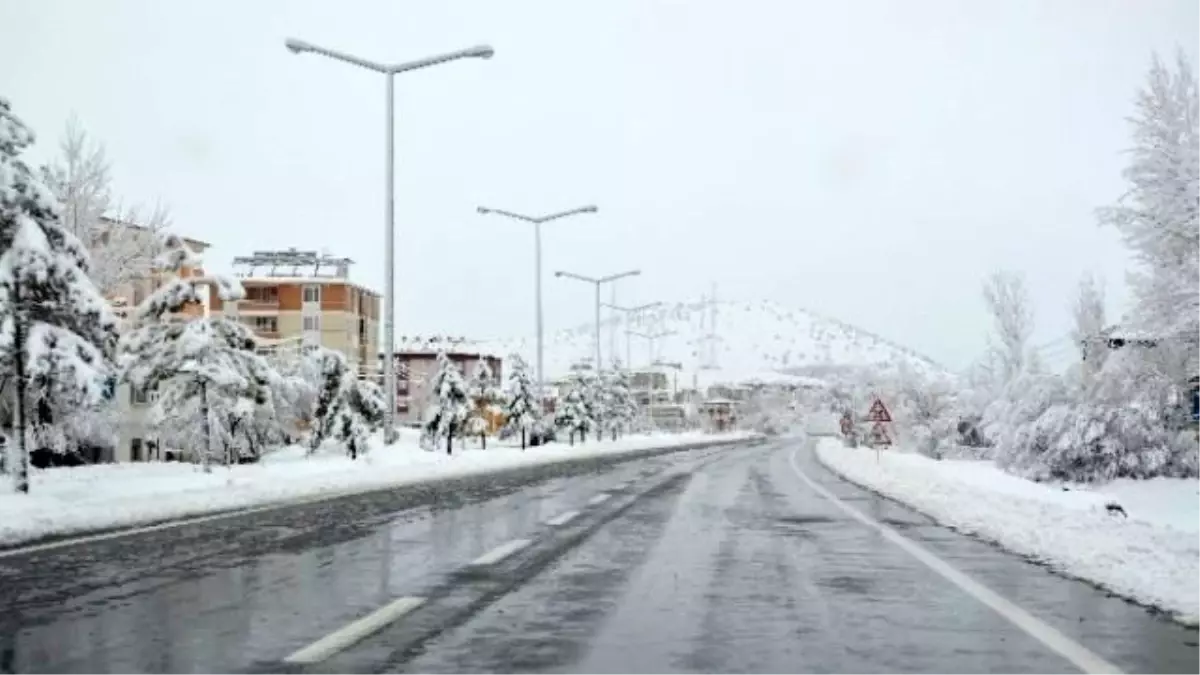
x=266, y=324
x=312, y=323
x=312, y=293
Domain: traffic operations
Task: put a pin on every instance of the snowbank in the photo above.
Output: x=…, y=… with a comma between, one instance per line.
x=1151, y=557
x=76, y=500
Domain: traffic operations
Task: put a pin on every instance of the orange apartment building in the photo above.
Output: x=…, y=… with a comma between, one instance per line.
x=303, y=295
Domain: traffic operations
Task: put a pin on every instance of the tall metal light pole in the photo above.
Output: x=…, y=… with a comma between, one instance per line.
x=650, y=338
x=634, y=312
x=598, y=282
x=389, y=275
x=537, y=265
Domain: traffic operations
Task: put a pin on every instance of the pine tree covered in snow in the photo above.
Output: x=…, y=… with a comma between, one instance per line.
x=450, y=407
x=347, y=409
x=214, y=389
x=595, y=404
x=56, y=331
x=486, y=398
x=621, y=405
x=572, y=414
x=521, y=411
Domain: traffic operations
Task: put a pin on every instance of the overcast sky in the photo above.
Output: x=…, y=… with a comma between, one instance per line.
x=869, y=160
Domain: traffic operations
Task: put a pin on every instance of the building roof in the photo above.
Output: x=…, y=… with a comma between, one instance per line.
x=292, y=263
x=193, y=243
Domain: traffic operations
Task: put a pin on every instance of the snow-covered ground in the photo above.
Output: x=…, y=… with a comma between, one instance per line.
x=76, y=500
x=1151, y=557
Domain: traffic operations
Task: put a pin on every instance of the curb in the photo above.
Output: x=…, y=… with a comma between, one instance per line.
x=86, y=535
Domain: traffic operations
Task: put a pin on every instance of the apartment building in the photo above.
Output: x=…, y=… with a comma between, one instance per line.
x=416, y=365
x=304, y=294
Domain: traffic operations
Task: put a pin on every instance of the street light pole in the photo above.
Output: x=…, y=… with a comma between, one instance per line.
x=598, y=282
x=389, y=274
x=631, y=312
x=537, y=264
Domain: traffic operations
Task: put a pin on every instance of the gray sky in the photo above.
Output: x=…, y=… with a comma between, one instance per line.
x=869, y=160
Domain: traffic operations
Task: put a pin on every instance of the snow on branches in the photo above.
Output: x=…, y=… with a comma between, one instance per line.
x=348, y=409
x=450, y=406
x=56, y=331
x=212, y=384
x=521, y=410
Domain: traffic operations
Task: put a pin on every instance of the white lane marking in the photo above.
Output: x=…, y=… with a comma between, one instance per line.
x=500, y=552
x=1081, y=656
x=562, y=518
x=599, y=499
x=354, y=632
x=621, y=486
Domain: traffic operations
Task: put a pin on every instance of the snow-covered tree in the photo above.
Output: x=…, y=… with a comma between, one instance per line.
x=123, y=243
x=1159, y=217
x=486, y=398
x=521, y=410
x=212, y=384
x=621, y=405
x=294, y=390
x=595, y=403
x=1088, y=331
x=56, y=331
x=572, y=413
x=347, y=409
x=450, y=405
x=1008, y=301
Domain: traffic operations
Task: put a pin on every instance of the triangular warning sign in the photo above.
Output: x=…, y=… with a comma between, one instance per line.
x=879, y=435
x=878, y=412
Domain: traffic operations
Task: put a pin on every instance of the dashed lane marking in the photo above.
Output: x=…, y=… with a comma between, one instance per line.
x=500, y=552
x=354, y=632
x=562, y=518
x=599, y=499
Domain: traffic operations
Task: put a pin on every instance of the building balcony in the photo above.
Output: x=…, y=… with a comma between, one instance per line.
x=258, y=306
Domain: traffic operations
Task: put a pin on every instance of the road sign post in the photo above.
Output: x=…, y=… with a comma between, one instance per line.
x=878, y=413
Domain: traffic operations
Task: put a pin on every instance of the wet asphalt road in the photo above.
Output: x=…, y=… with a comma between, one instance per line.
x=713, y=560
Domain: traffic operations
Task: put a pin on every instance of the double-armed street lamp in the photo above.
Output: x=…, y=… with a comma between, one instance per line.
x=631, y=312
x=390, y=70
x=598, y=282
x=537, y=265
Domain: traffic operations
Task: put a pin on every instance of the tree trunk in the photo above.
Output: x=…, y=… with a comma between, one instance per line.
x=571, y=436
x=614, y=433
x=21, y=451
x=204, y=459
x=483, y=440
x=449, y=442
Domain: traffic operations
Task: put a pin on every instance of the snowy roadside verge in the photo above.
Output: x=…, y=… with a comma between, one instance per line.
x=86, y=500
x=1152, y=558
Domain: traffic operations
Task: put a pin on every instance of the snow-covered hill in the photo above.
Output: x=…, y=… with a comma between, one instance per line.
x=756, y=340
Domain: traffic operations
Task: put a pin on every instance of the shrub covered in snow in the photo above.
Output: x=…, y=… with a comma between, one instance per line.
x=347, y=409
x=450, y=406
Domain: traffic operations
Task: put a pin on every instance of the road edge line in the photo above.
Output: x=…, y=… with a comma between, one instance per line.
x=1053, y=639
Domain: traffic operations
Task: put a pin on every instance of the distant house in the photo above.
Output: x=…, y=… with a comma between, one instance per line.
x=416, y=366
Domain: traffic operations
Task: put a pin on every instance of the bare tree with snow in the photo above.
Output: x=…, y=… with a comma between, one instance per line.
x=1088, y=331
x=56, y=331
x=1012, y=316
x=123, y=241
